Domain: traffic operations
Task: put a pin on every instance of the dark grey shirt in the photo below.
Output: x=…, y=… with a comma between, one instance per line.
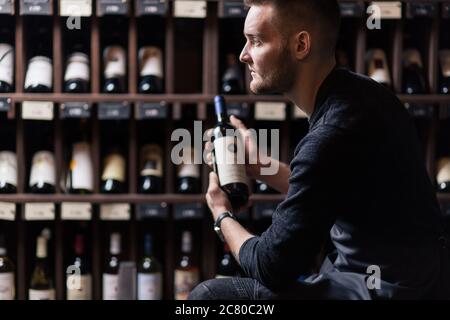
x=358, y=176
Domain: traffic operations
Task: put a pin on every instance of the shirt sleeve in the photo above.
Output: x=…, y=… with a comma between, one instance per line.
x=300, y=223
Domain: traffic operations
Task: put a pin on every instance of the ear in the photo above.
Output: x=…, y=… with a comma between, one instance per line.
x=302, y=47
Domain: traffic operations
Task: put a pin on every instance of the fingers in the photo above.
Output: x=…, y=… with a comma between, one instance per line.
x=213, y=183
x=238, y=124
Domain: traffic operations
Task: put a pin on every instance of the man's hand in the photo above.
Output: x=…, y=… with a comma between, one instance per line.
x=217, y=199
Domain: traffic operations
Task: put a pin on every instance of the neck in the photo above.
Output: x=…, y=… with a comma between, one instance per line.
x=304, y=92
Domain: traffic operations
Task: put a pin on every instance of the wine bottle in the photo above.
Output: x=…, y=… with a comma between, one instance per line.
x=7, y=269
x=79, y=282
x=443, y=174
x=150, y=180
x=188, y=173
x=114, y=58
x=232, y=80
x=264, y=188
x=42, y=176
x=151, y=70
x=39, y=75
x=227, y=267
x=187, y=274
x=77, y=75
x=377, y=67
x=232, y=176
x=80, y=177
x=444, y=59
x=6, y=68
x=414, y=81
x=149, y=277
x=8, y=172
x=113, y=177
x=111, y=274
x=41, y=287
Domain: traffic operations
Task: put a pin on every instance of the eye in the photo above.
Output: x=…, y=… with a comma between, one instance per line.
x=255, y=42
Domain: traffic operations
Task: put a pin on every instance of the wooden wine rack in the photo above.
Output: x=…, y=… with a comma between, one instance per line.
x=218, y=17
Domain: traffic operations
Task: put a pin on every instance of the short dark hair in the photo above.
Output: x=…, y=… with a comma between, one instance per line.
x=322, y=13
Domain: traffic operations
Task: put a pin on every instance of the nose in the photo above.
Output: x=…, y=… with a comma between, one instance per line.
x=245, y=56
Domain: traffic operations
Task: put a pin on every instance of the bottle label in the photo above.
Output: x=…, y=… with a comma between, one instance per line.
x=151, y=161
x=81, y=167
x=77, y=68
x=79, y=287
x=149, y=286
x=110, y=286
x=185, y=281
x=219, y=276
x=8, y=167
x=115, y=65
x=443, y=169
x=227, y=160
x=40, y=71
x=150, y=59
x=189, y=170
x=41, y=294
x=114, y=168
x=43, y=168
x=6, y=63
x=444, y=56
x=7, y=287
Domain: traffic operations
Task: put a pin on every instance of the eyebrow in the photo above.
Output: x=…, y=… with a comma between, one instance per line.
x=251, y=35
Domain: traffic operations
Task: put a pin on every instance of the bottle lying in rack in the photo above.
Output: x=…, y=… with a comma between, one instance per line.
x=443, y=174
x=377, y=67
x=232, y=175
x=111, y=273
x=151, y=70
x=42, y=175
x=77, y=74
x=41, y=287
x=79, y=279
x=444, y=61
x=227, y=267
x=8, y=172
x=7, y=269
x=264, y=188
x=414, y=81
x=187, y=273
x=115, y=64
x=6, y=68
x=188, y=175
x=149, y=276
x=232, y=80
x=39, y=75
x=114, y=172
x=151, y=175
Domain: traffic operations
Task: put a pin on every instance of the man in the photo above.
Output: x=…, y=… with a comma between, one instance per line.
x=357, y=176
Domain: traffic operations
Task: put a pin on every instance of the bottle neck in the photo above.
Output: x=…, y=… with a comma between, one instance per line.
x=41, y=248
x=186, y=243
x=115, y=244
x=221, y=109
x=148, y=246
x=79, y=245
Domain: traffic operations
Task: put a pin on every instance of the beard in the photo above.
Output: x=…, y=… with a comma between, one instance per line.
x=279, y=79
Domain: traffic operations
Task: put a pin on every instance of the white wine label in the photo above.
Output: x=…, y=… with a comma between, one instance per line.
x=77, y=67
x=228, y=162
x=8, y=167
x=444, y=57
x=275, y=111
x=7, y=287
x=75, y=8
x=115, y=211
x=190, y=9
x=6, y=63
x=110, y=286
x=219, y=276
x=189, y=170
x=115, y=62
x=37, y=110
x=41, y=294
x=151, y=163
x=81, y=167
x=39, y=72
x=299, y=113
x=443, y=169
x=150, y=61
x=114, y=168
x=7, y=211
x=76, y=211
x=149, y=286
x=185, y=281
x=39, y=211
x=79, y=287
x=389, y=9
x=43, y=168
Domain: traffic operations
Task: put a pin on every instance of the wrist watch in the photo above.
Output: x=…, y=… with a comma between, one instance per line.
x=217, y=229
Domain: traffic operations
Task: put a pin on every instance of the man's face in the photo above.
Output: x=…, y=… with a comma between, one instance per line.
x=267, y=52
